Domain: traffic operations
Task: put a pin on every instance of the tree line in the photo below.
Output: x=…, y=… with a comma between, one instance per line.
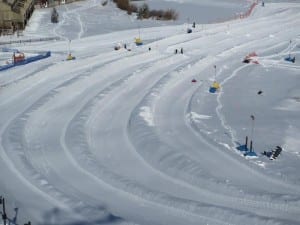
x=143, y=12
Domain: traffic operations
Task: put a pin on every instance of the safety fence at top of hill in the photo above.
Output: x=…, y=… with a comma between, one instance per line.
x=241, y=15
x=249, y=11
x=15, y=41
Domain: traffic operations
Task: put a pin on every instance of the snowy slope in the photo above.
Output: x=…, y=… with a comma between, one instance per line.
x=125, y=137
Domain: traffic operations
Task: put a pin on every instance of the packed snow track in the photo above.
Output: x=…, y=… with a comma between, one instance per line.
x=125, y=137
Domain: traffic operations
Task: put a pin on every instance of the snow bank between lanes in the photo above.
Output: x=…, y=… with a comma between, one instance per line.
x=147, y=115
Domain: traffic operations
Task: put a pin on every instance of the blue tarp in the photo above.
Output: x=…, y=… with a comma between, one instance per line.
x=251, y=154
x=246, y=151
x=242, y=148
x=212, y=90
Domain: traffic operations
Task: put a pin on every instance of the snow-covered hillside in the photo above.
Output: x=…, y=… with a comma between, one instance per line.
x=125, y=137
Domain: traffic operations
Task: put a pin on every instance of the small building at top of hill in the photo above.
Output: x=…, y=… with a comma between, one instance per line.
x=14, y=15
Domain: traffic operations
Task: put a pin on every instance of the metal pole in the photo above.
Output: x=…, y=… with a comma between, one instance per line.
x=215, y=72
x=252, y=130
x=4, y=216
x=69, y=48
x=290, y=48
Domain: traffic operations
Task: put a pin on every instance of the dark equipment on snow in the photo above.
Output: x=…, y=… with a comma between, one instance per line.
x=4, y=216
x=251, y=58
x=118, y=46
x=194, y=81
x=246, y=61
x=189, y=30
x=290, y=59
x=259, y=92
x=54, y=16
x=274, y=153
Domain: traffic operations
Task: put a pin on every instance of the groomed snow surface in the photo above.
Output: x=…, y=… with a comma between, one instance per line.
x=125, y=137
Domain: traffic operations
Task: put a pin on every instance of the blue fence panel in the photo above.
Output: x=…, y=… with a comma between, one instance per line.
x=27, y=60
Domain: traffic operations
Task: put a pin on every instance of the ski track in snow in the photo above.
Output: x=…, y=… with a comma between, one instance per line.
x=110, y=138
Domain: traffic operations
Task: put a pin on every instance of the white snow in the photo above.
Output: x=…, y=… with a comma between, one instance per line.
x=194, y=116
x=126, y=137
x=147, y=115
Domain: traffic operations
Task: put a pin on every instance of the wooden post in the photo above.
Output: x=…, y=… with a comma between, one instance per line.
x=246, y=143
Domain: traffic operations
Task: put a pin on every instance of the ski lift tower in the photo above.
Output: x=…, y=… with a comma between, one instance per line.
x=138, y=41
x=188, y=30
x=215, y=85
x=251, y=152
x=289, y=58
x=70, y=57
x=248, y=152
